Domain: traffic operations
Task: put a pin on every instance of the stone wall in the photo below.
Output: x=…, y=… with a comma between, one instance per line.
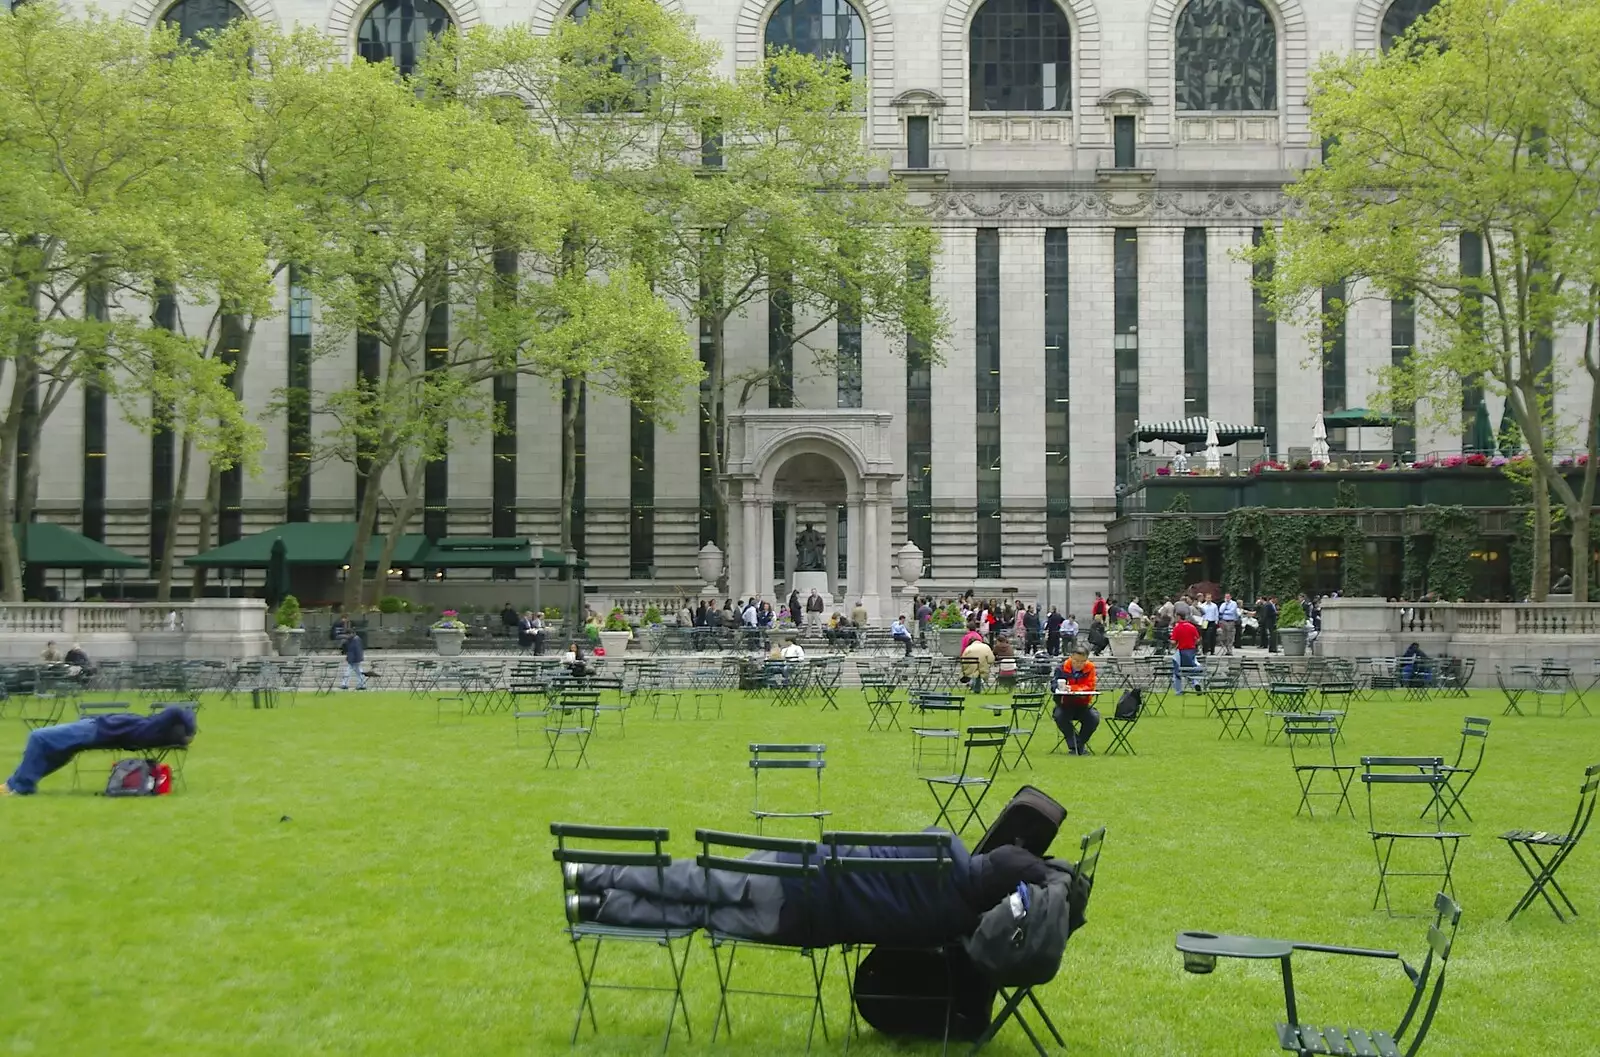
x=1490, y=632
x=210, y=629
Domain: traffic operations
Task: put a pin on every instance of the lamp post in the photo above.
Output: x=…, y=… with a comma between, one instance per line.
x=1047, y=554
x=1066, y=573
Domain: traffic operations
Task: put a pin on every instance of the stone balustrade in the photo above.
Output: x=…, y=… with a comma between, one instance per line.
x=1493, y=632
x=208, y=629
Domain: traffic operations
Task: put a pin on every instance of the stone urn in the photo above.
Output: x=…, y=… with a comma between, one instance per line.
x=447, y=641
x=615, y=643
x=288, y=641
x=1293, y=641
x=949, y=641
x=710, y=562
x=1122, y=642
x=908, y=562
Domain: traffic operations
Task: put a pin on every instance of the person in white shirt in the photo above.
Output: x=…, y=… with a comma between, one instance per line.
x=1208, y=613
x=1228, y=623
x=793, y=652
x=1135, y=611
x=901, y=633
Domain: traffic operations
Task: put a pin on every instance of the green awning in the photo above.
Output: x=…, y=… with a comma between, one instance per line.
x=308, y=543
x=1360, y=418
x=51, y=546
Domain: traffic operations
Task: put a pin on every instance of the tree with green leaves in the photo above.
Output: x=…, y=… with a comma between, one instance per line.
x=609, y=106
x=109, y=148
x=1477, y=123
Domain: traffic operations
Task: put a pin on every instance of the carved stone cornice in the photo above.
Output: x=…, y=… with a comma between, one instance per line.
x=1105, y=205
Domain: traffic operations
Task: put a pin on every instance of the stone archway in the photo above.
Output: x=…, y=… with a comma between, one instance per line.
x=824, y=460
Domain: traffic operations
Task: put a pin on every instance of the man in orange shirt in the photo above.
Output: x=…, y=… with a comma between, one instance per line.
x=1075, y=714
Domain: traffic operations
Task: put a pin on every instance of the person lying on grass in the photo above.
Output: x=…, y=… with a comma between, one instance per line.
x=904, y=910
x=51, y=748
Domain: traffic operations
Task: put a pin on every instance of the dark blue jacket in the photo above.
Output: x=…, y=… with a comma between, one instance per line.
x=902, y=910
x=353, y=651
x=125, y=730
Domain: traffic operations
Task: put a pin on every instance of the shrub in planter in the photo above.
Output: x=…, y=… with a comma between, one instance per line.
x=390, y=604
x=948, y=616
x=1294, y=614
x=288, y=615
x=652, y=615
x=616, y=620
x=449, y=620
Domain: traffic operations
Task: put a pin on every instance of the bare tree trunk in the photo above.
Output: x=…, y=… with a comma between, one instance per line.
x=409, y=505
x=355, y=579
x=207, y=527
x=180, y=493
x=10, y=508
x=1539, y=590
x=571, y=394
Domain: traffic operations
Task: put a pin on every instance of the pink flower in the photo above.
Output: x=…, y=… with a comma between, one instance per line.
x=1477, y=458
x=1382, y=465
x=1163, y=471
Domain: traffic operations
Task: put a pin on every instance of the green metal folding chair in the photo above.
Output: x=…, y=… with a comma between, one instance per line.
x=778, y=759
x=1304, y=734
x=979, y=766
x=1399, y=773
x=1202, y=949
x=574, y=845
x=714, y=846
x=1526, y=845
x=1459, y=775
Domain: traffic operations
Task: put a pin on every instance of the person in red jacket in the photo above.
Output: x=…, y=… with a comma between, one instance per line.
x=1075, y=714
x=1185, y=643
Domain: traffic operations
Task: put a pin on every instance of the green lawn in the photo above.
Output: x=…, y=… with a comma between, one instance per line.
x=408, y=903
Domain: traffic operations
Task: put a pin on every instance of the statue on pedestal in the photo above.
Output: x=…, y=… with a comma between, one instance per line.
x=809, y=548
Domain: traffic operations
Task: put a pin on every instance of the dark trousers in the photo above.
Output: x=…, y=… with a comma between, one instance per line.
x=1086, y=718
x=907, y=642
x=1052, y=643
x=1208, y=637
x=682, y=895
x=1269, y=635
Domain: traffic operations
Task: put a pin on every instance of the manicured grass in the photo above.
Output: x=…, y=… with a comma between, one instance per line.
x=344, y=876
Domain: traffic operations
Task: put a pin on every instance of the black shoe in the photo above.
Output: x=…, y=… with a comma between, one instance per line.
x=581, y=908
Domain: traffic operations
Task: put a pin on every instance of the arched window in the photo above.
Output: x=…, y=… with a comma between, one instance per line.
x=1399, y=18
x=1021, y=56
x=197, y=17
x=1227, y=56
x=827, y=29
x=398, y=30
x=642, y=76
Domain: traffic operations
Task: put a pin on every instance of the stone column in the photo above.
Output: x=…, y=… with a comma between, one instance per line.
x=870, y=586
x=787, y=543
x=764, y=550
x=831, y=556
x=749, y=548
x=856, y=571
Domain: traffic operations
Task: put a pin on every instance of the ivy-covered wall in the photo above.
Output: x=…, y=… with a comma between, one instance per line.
x=1163, y=574
x=1274, y=545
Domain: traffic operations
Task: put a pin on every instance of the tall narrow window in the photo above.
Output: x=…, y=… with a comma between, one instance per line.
x=919, y=431
x=369, y=361
x=641, y=492
x=708, y=428
x=298, y=485
x=1021, y=56
x=1226, y=56
x=917, y=142
x=849, y=354
x=1196, y=392
x=436, y=473
x=1264, y=335
x=230, y=497
x=1334, y=358
x=1472, y=422
x=1124, y=142
x=987, y=384
x=399, y=30
x=780, y=343
x=162, y=473
x=94, y=431
x=503, y=474
x=575, y=393
x=1125, y=340
x=826, y=29
x=1057, y=391
x=842, y=525
x=1402, y=339
x=711, y=143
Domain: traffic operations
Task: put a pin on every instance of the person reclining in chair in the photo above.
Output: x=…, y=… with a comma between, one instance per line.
x=902, y=910
x=51, y=748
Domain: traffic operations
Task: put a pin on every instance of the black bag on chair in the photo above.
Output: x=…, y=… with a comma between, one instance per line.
x=1129, y=704
x=907, y=991
x=1030, y=819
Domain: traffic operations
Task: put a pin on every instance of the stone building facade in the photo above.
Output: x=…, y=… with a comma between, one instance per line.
x=1093, y=168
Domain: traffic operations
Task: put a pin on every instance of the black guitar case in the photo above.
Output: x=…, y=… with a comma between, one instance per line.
x=1030, y=819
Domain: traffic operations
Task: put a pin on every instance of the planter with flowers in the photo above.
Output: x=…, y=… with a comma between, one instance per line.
x=615, y=633
x=449, y=632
